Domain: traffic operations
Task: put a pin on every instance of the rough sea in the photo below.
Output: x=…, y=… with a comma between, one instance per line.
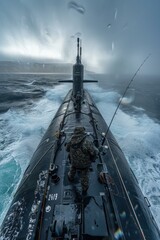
x=28, y=102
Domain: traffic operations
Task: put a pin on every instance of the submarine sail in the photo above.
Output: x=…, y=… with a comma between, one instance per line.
x=48, y=206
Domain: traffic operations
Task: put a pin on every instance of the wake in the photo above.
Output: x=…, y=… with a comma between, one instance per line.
x=138, y=137
x=22, y=130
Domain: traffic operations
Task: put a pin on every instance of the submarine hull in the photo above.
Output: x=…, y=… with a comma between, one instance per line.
x=48, y=206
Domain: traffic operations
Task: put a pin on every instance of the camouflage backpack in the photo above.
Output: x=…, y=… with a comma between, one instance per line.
x=80, y=157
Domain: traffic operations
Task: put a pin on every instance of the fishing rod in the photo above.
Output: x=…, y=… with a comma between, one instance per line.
x=104, y=138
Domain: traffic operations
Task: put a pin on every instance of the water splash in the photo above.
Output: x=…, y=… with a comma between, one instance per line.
x=22, y=131
x=112, y=46
x=115, y=15
x=139, y=138
x=79, y=8
x=129, y=98
x=109, y=25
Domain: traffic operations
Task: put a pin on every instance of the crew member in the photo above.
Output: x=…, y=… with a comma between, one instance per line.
x=82, y=153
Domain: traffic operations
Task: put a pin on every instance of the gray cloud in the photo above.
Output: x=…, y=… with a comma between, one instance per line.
x=117, y=35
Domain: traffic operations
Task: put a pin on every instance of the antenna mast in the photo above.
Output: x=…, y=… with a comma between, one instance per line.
x=79, y=50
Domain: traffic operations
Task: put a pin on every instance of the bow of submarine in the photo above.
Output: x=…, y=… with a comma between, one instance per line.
x=48, y=206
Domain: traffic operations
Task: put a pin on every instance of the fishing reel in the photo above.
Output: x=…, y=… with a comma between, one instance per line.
x=103, y=149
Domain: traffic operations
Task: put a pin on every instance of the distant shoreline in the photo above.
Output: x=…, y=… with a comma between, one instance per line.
x=37, y=73
x=34, y=67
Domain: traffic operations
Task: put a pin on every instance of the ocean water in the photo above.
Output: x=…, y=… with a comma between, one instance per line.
x=28, y=102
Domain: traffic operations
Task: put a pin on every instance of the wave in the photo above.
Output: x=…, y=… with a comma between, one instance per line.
x=139, y=137
x=22, y=129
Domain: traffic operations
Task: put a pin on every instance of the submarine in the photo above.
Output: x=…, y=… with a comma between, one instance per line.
x=47, y=206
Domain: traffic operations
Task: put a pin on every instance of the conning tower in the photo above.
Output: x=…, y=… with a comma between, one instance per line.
x=78, y=72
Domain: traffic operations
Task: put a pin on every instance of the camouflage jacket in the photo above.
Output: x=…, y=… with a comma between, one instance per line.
x=81, y=151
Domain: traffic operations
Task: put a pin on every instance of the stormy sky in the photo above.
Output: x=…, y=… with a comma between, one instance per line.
x=117, y=35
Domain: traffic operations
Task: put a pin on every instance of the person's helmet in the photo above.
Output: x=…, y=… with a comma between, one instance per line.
x=79, y=130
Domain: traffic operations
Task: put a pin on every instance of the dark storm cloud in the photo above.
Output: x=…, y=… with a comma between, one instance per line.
x=117, y=35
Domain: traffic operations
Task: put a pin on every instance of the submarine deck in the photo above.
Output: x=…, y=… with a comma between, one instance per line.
x=48, y=206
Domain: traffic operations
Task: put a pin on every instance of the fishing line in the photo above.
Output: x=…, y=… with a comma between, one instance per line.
x=124, y=95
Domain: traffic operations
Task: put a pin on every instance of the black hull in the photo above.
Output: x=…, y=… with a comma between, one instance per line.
x=47, y=206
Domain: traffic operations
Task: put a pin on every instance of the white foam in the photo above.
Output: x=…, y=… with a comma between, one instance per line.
x=22, y=130
x=139, y=138
x=137, y=135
